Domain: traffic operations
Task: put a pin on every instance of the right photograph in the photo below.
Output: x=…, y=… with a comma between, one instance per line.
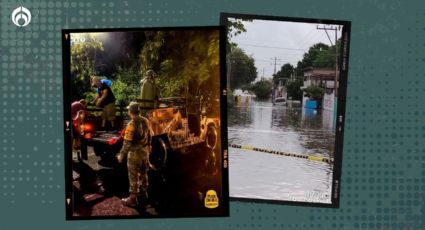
x=286, y=87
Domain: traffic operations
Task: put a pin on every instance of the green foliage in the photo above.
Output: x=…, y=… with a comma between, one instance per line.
x=314, y=92
x=124, y=93
x=128, y=75
x=234, y=28
x=284, y=72
x=126, y=85
x=309, y=57
x=89, y=95
x=319, y=55
x=83, y=65
x=242, y=70
x=325, y=58
x=230, y=99
x=293, y=89
x=262, y=89
x=186, y=63
x=246, y=87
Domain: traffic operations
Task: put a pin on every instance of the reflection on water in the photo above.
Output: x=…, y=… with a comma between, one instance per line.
x=288, y=129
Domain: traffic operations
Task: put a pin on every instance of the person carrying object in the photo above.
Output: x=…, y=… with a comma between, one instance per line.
x=104, y=99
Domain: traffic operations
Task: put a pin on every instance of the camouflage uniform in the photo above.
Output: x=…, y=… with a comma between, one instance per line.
x=136, y=139
x=148, y=92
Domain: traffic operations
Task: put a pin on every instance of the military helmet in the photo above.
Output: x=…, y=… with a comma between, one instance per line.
x=133, y=107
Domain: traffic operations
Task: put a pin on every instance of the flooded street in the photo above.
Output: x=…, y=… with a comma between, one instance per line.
x=289, y=129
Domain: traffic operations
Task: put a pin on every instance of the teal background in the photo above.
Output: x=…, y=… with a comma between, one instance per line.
x=383, y=169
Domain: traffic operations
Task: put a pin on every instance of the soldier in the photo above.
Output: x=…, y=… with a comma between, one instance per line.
x=136, y=141
x=148, y=92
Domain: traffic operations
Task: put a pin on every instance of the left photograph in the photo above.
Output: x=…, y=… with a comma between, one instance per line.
x=144, y=123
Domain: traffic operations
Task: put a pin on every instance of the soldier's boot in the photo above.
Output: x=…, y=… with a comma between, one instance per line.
x=79, y=156
x=130, y=201
x=142, y=199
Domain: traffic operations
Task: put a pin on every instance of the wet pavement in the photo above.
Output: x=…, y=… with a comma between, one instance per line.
x=289, y=129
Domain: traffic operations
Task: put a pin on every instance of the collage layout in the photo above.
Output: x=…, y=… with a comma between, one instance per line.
x=178, y=121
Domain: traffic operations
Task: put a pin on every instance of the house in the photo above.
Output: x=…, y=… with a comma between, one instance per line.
x=280, y=89
x=324, y=77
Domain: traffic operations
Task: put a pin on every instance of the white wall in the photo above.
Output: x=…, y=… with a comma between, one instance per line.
x=328, y=101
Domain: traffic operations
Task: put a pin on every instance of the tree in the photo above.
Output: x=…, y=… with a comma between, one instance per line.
x=125, y=86
x=325, y=58
x=315, y=92
x=319, y=55
x=242, y=68
x=186, y=63
x=262, y=89
x=83, y=65
x=293, y=89
x=284, y=72
x=309, y=57
x=234, y=28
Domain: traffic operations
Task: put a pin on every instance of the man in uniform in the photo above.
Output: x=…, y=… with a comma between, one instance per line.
x=136, y=141
x=149, y=93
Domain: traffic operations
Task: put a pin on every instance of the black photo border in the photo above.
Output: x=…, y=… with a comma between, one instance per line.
x=66, y=65
x=342, y=94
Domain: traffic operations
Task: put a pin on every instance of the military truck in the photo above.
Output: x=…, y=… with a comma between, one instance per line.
x=175, y=131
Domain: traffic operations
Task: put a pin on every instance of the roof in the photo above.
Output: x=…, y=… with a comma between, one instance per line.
x=322, y=73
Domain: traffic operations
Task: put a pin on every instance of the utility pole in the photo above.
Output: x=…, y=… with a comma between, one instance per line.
x=334, y=28
x=275, y=64
x=273, y=82
x=229, y=68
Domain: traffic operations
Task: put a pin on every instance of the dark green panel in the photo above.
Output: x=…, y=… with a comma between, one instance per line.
x=383, y=170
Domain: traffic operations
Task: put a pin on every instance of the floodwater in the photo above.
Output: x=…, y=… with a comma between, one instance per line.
x=289, y=129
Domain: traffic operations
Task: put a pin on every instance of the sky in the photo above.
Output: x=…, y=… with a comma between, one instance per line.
x=287, y=41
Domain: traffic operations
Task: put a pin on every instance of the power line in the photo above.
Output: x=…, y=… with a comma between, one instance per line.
x=262, y=60
x=272, y=47
x=335, y=29
x=279, y=61
x=305, y=37
x=260, y=40
x=275, y=60
x=312, y=39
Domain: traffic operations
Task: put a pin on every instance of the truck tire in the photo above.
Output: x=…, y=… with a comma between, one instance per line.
x=211, y=137
x=159, y=155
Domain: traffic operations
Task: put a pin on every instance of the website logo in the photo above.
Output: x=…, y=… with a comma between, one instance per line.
x=211, y=199
x=21, y=16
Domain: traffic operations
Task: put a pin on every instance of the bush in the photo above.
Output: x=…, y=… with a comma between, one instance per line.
x=314, y=92
x=124, y=93
x=230, y=98
x=293, y=88
x=262, y=89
